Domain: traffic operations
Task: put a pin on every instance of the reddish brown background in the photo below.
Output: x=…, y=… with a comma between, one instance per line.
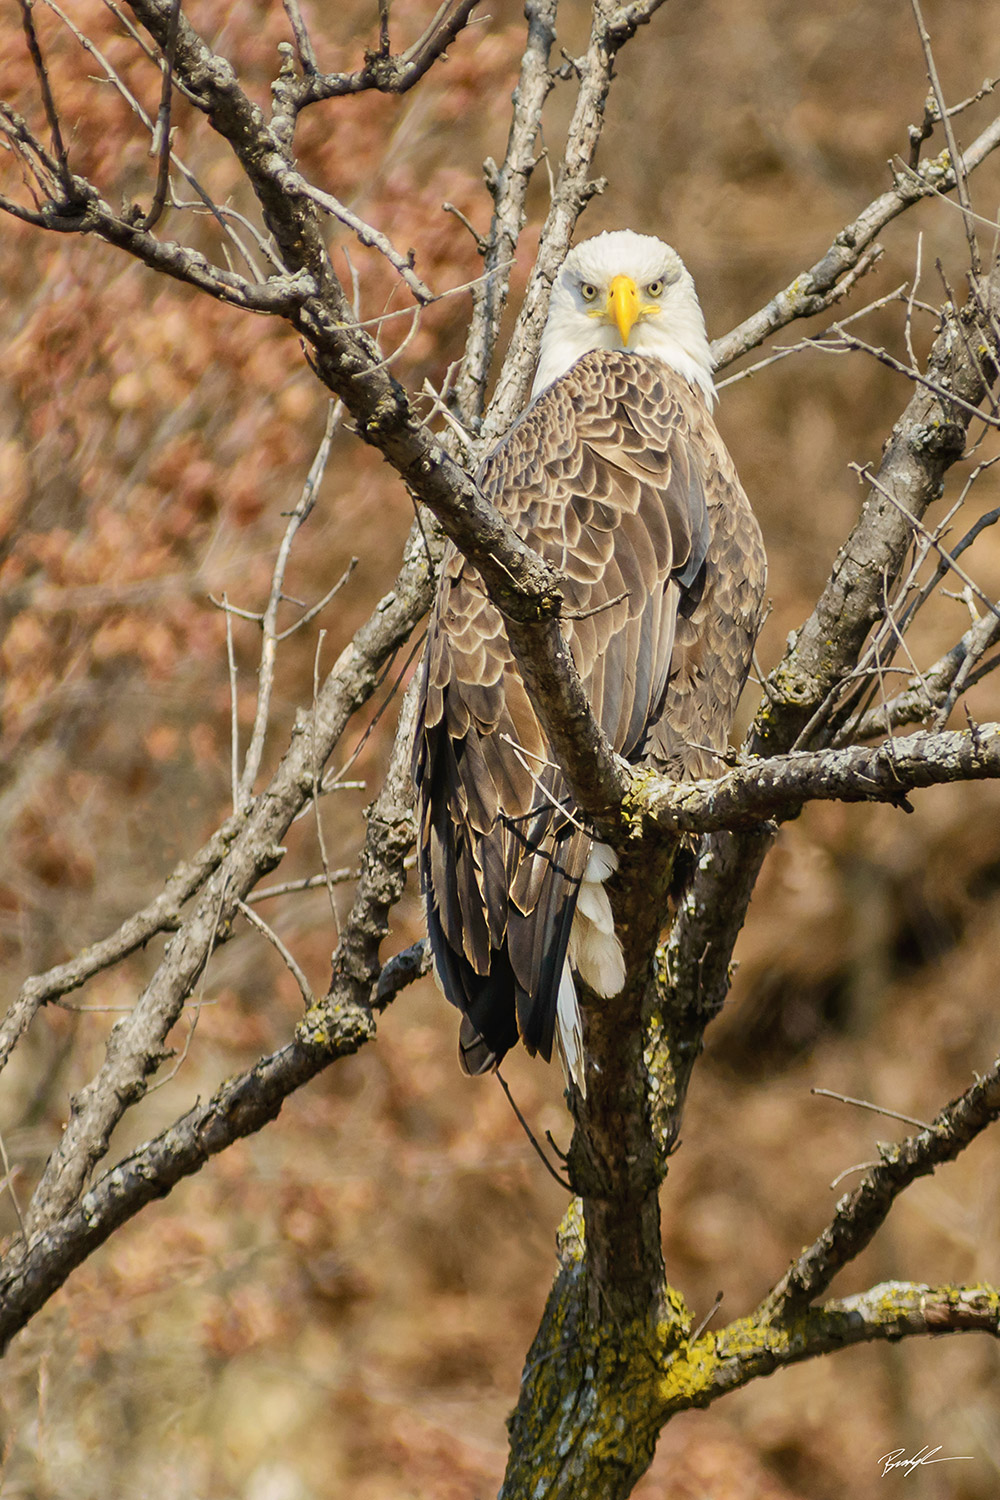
x=342, y=1305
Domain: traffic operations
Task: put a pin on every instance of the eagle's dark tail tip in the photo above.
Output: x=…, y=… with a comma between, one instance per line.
x=475, y=1054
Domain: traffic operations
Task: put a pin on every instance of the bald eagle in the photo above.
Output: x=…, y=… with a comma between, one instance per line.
x=616, y=475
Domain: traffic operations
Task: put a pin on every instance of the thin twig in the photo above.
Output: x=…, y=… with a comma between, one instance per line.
x=987, y=632
x=114, y=1010
x=8, y=1183
x=859, y=702
x=943, y=197
x=937, y=687
x=269, y=646
x=222, y=213
x=161, y=135
x=528, y=1132
x=798, y=299
x=320, y=605
x=848, y=341
x=585, y=614
x=390, y=359
x=859, y=1166
x=310, y=883
x=859, y=1215
x=303, y=42
x=989, y=519
x=290, y=963
x=150, y=51
x=932, y=116
x=315, y=768
x=242, y=614
x=161, y=915
x=383, y=28
x=696, y=1335
x=961, y=177
x=908, y=612
x=51, y=113
x=439, y=409
x=561, y=807
x=393, y=74
x=908, y=321
x=234, y=711
x=481, y=244
x=294, y=182
x=893, y=626
x=334, y=782
x=199, y=998
x=119, y=83
x=877, y=1109
x=784, y=351
x=407, y=312
x=865, y=473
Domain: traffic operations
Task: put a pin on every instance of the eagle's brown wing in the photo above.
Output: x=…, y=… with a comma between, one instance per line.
x=714, y=639
x=601, y=475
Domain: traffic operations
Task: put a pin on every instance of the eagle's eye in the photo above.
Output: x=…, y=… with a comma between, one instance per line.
x=654, y=289
x=588, y=291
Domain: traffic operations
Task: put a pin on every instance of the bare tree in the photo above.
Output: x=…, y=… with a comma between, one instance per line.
x=616, y=1355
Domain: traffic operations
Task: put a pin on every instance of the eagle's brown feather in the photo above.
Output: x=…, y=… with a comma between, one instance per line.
x=616, y=476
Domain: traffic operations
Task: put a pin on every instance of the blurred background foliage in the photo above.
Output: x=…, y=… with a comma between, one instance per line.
x=341, y=1305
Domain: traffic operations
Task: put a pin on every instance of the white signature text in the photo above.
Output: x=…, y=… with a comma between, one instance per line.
x=897, y=1459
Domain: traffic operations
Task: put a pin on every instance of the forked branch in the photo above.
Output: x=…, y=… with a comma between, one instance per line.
x=861, y=1213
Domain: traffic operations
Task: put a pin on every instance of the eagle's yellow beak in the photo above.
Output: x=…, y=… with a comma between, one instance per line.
x=623, y=305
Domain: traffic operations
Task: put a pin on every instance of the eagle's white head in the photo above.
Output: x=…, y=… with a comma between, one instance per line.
x=623, y=290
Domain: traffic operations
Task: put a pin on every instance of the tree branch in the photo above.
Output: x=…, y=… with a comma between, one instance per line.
x=398, y=72
x=695, y=961
x=611, y=1318
x=944, y=115
x=809, y=292
x=611, y=28
x=45, y=88
x=928, y=438
x=689, y=985
x=280, y=296
x=66, y=1231
x=350, y=366
x=780, y=787
x=861, y=1213
x=747, y=1349
x=163, y=914
x=934, y=691
x=366, y=234
x=136, y=1043
x=334, y=1028
x=508, y=185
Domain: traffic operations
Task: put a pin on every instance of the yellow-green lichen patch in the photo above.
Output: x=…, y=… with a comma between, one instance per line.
x=689, y=1377
x=570, y=1235
x=634, y=808
x=677, y=1322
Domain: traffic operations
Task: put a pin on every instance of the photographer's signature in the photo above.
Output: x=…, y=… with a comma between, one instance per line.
x=897, y=1459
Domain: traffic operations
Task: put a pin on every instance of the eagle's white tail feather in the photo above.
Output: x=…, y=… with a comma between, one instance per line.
x=569, y=1031
x=602, y=862
x=594, y=950
x=595, y=954
x=593, y=906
